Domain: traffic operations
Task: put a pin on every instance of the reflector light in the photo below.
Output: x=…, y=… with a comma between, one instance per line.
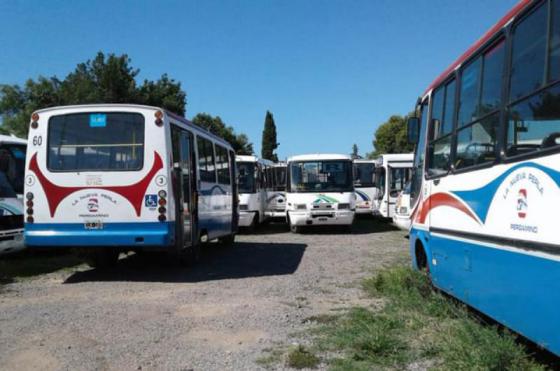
x=30, y=219
x=162, y=202
x=158, y=115
x=162, y=194
x=162, y=218
x=29, y=195
x=162, y=210
x=35, y=116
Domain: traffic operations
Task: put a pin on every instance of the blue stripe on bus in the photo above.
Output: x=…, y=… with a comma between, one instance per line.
x=363, y=195
x=518, y=290
x=112, y=234
x=479, y=200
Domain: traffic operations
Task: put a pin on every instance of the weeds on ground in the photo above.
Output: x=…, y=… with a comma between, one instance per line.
x=300, y=357
x=417, y=326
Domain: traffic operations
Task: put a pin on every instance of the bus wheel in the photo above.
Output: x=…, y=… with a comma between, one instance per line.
x=227, y=240
x=102, y=258
x=295, y=229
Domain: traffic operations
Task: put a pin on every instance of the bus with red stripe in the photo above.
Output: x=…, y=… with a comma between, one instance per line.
x=109, y=178
x=486, y=175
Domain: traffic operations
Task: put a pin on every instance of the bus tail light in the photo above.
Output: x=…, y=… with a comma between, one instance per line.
x=34, y=120
x=30, y=219
x=162, y=202
x=159, y=118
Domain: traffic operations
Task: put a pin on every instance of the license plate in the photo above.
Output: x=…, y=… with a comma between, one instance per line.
x=323, y=219
x=93, y=225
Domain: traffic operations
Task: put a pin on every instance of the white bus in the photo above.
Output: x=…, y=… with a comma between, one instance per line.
x=12, y=166
x=276, y=197
x=108, y=178
x=401, y=217
x=364, y=185
x=320, y=191
x=392, y=173
x=253, y=189
x=486, y=182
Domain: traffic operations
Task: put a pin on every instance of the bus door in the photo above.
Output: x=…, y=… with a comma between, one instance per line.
x=186, y=196
x=397, y=177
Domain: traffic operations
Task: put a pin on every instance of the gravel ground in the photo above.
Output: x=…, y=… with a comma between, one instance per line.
x=220, y=315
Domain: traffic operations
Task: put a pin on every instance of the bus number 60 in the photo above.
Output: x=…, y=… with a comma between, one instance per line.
x=37, y=140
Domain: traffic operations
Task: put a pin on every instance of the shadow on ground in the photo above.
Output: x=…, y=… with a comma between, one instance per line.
x=30, y=263
x=244, y=259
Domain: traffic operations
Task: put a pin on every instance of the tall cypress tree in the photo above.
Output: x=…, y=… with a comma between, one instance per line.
x=269, y=143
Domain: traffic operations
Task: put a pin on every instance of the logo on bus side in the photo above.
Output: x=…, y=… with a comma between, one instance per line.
x=522, y=203
x=93, y=205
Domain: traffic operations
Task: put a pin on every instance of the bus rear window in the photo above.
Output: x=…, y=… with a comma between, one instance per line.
x=96, y=142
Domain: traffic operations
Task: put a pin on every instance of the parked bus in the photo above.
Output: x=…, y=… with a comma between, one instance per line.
x=12, y=165
x=276, y=197
x=320, y=191
x=95, y=181
x=364, y=185
x=392, y=172
x=401, y=217
x=487, y=175
x=253, y=190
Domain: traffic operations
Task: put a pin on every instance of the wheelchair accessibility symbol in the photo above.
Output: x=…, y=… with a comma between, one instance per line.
x=150, y=200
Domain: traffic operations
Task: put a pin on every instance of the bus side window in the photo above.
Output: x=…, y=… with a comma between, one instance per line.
x=441, y=127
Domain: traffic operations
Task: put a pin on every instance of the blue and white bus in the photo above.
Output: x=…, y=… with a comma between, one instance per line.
x=110, y=178
x=487, y=175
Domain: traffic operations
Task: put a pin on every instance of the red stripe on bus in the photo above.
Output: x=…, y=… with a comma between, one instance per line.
x=443, y=199
x=486, y=37
x=134, y=193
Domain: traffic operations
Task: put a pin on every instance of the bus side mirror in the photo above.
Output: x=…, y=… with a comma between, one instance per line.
x=413, y=130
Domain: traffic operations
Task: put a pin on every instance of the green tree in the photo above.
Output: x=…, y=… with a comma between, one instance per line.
x=269, y=141
x=390, y=137
x=215, y=125
x=355, y=153
x=105, y=79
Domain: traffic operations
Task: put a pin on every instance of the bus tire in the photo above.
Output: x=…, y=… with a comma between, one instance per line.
x=295, y=229
x=104, y=258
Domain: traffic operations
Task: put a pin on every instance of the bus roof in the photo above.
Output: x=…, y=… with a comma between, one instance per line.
x=479, y=43
x=253, y=158
x=12, y=139
x=363, y=161
x=319, y=157
x=137, y=106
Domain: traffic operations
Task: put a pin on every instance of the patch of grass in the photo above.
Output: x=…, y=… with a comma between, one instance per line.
x=300, y=357
x=416, y=325
x=27, y=264
x=272, y=357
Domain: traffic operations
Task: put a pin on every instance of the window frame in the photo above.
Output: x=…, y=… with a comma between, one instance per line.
x=198, y=147
x=547, y=84
x=48, y=134
x=430, y=129
x=225, y=152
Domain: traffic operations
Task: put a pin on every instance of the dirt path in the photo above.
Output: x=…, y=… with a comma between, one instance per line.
x=146, y=314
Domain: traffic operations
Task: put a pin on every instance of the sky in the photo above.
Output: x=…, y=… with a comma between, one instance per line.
x=330, y=71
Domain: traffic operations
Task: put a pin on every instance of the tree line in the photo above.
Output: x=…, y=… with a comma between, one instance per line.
x=112, y=79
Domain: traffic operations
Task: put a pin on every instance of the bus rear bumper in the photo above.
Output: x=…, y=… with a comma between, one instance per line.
x=110, y=235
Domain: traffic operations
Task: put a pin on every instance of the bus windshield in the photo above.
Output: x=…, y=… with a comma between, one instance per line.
x=96, y=142
x=364, y=174
x=280, y=178
x=12, y=165
x=321, y=176
x=246, y=171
